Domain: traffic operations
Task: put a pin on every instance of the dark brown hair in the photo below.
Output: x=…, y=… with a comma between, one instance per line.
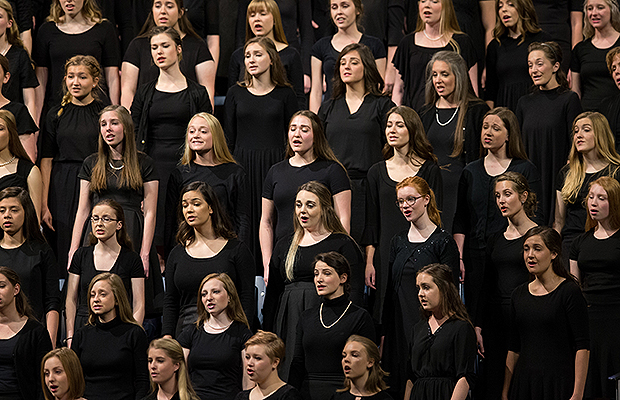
x=373, y=82
x=31, y=229
x=121, y=235
x=451, y=304
x=514, y=147
x=419, y=146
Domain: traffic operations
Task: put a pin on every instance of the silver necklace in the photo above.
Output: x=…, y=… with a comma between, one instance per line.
x=8, y=162
x=218, y=328
x=430, y=38
x=450, y=120
x=339, y=318
x=115, y=168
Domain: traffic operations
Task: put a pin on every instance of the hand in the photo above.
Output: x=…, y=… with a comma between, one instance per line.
x=266, y=275
x=370, y=276
x=167, y=337
x=307, y=84
x=315, y=25
x=462, y=266
x=69, y=341
x=390, y=76
x=47, y=217
x=145, y=263
x=479, y=340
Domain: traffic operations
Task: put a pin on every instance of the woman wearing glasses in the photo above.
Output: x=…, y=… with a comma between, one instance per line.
x=110, y=250
x=422, y=244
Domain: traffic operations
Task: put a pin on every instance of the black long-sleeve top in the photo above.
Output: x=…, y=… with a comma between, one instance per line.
x=32, y=345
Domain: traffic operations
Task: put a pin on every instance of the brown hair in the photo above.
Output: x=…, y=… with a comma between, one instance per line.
x=234, y=310
x=184, y=25
x=610, y=56
x=272, y=8
x=422, y=187
x=320, y=146
x=375, y=382
x=21, y=301
x=527, y=23
x=419, y=146
x=31, y=229
x=612, y=188
x=15, y=145
x=121, y=302
x=121, y=235
x=171, y=33
x=553, y=53
x=94, y=69
x=359, y=9
x=451, y=304
x=90, y=11
x=520, y=185
x=373, y=82
x=340, y=264
x=276, y=70
x=514, y=147
x=73, y=370
x=553, y=241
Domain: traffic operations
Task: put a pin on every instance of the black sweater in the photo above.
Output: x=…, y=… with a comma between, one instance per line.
x=33, y=343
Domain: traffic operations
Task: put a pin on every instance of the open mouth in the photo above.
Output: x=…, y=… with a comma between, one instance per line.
x=304, y=219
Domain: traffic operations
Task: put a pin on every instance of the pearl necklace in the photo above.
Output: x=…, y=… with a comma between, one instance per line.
x=115, y=168
x=450, y=120
x=8, y=162
x=430, y=38
x=339, y=318
x=218, y=328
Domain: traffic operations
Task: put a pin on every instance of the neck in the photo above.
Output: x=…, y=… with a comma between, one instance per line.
x=9, y=314
x=552, y=84
x=206, y=158
x=316, y=233
x=76, y=19
x=356, y=91
x=5, y=155
x=447, y=102
x=12, y=241
x=548, y=279
x=168, y=388
x=498, y=155
x=438, y=317
x=339, y=292
x=400, y=157
x=434, y=31
x=424, y=225
x=116, y=152
x=605, y=32
x=263, y=81
x=270, y=384
x=205, y=232
x=171, y=76
x=514, y=32
x=593, y=159
x=219, y=320
x=178, y=29
x=304, y=158
x=107, y=317
x=83, y=101
x=604, y=227
x=358, y=386
x=110, y=245
x=520, y=222
x=350, y=31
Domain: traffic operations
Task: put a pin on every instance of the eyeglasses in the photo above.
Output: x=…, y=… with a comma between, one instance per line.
x=411, y=200
x=105, y=218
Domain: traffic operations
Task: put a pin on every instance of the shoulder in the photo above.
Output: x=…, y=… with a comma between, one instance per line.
x=91, y=160
x=177, y=253
x=48, y=27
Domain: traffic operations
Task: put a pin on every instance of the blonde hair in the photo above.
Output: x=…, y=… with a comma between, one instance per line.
x=448, y=23
x=221, y=153
x=174, y=351
x=12, y=33
x=234, y=310
x=90, y=11
x=94, y=69
x=272, y=8
x=588, y=29
x=121, y=303
x=73, y=370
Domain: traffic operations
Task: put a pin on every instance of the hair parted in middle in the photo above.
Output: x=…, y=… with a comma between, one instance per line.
x=373, y=82
x=234, y=310
x=122, y=237
x=272, y=8
x=31, y=229
x=221, y=153
x=514, y=147
x=94, y=70
x=612, y=187
x=15, y=145
x=527, y=21
x=276, y=69
x=422, y=187
x=121, y=302
x=21, y=301
x=320, y=146
x=419, y=145
x=174, y=351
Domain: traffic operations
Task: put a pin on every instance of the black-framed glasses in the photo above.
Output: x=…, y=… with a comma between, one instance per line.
x=410, y=200
x=105, y=218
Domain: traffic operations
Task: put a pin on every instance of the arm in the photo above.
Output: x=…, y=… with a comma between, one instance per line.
x=137, y=292
x=316, y=90
x=41, y=73
x=342, y=206
x=80, y=218
x=29, y=95
x=35, y=188
x=370, y=268
x=575, y=82
x=205, y=73
x=576, y=27
x=582, y=358
x=129, y=83
x=52, y=318
x=408, y=388
x=473, y=76
x=399, y=89
x=560, y=212
x=511, y=362
x=459, y=238
x=461, y=390
x=26, y=37
x=71, y=305
x=265, y=234
x=381, y=64
x=149, y=205
x=114, y=83
x=574, y=269
x=213, y=44
x=487, y=12
x=46, y=171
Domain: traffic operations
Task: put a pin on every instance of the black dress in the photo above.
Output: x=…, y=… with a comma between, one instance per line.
x=286, y=392
x=410, y=61
x=127, y=266
x=596, y=83
x=600, y=279
x=184, y=274
x=357, y=140
x=138, y=54
x=508, y=77
x=554, y=18
x=20, y=177
x=36, y=266
x=384, y=220
x=285, y=300
x=401, y=304
x=610, y=108
x=546, y=118
x=113, y=358
x=291, y=61
x=324, y=51
x=68, y=139
x=53, y=48
x=504, y=271
x=214, y=360
x=256, y=131
x=477, y=217
x=283, y=180
x=322, y=332
x=22, y=74
x=230, y=184
x=440, y=359
x=387, y=21
x=131, y=201
x=546, y=332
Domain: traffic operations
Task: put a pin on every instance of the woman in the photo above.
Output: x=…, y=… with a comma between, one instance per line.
x=507, y=77
x=162, y=108
x=206, y=158
x=17, y=168
x=407, y=153
x=197, y=64
x=257, y=112
x=545, y=116
x=118, y=172
x=549, y=326
x=168, y=369
x=112, y=346
x=213, y=344
x=437, y=29
x=589, y=76
x=422, y=244
x=443, y=349
x=24, y=248
x=71, y=29
x=26, y=128
x=291, y=289
x=61, y=375
x=346, y=15
x=309, y=158
x=24, y=341
x=452, y=118
x=610, y=107
x=477, y=216
x=593, y=260
x=592, y=156
x=206, y=244
x=323, y=329
x=503, y=272
x=109, y=250
x=354, y=119
x=263, y=19
x=362, y=371
x=263, y=353
x=69, y=136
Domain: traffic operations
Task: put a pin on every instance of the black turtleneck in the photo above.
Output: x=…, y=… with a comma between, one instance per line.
x=113, y=357
x=318, y=350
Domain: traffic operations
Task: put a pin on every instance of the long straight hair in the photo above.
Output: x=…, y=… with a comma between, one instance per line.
x=375, y=382
x=234, y=310
x=272, y=8
x=528, y=21
x=612, y=188
x=448, y=23
x=122, y=237
x=221, y=153
x=174, y=351
x=15, y=145
x=73, y=370
x=184, y=25
x=553, y=241
x=514, y=147
x=21, y=301
x=90, y=11
x=450, y=304
x=276, y=69
x=419, y=146
x=12, y=33
x=31, y=229
x=121, y=302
